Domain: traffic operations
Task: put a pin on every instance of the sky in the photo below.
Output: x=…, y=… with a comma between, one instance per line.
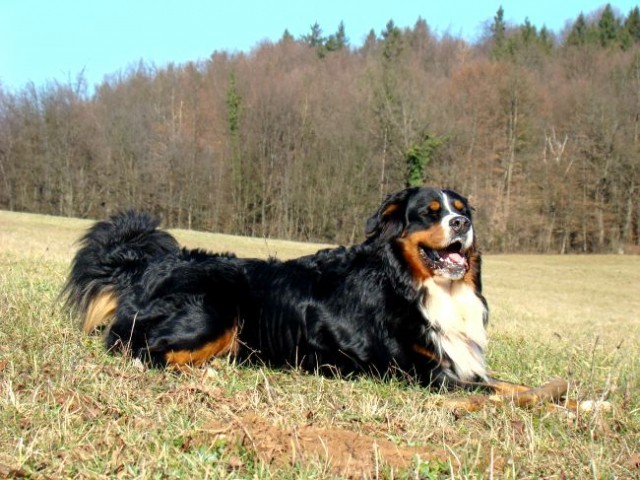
x=44, y=40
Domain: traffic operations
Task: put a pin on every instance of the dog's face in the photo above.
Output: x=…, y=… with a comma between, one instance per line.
x=433, y=229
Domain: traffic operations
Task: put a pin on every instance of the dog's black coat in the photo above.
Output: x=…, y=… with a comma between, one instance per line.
x=344, y=310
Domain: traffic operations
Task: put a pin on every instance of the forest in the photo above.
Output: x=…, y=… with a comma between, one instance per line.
x=301, y=138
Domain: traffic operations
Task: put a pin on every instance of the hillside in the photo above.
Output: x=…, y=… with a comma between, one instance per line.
x=301, y=138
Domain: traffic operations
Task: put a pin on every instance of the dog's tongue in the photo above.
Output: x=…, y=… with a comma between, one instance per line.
x=454, y=257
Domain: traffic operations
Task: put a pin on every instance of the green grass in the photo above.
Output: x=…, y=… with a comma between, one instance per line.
x=70, y=410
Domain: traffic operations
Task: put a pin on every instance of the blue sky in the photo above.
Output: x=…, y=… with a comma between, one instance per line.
x=44, y=40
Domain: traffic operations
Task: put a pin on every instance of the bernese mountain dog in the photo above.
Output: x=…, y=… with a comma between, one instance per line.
x=408, y=300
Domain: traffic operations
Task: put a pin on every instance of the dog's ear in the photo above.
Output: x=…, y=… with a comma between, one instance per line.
x=391, y=217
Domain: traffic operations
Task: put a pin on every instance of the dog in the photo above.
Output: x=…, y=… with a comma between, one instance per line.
x=406, y=301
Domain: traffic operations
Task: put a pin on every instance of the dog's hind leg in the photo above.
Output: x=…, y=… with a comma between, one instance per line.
x=175, y=330
x=224, y=344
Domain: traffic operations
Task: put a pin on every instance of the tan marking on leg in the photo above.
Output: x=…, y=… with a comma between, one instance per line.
x=506, y=388
x=223, y=345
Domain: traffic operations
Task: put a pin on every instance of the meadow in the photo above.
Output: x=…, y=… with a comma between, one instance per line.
x=68, y=409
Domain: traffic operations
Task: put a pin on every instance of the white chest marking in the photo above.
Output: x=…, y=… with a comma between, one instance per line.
x=456, y=315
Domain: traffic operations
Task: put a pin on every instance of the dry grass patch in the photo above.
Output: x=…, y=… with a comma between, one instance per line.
x=54, y=238
x=70, y=410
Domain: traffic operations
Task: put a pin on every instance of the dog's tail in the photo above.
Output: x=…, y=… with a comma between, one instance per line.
x=112, y=255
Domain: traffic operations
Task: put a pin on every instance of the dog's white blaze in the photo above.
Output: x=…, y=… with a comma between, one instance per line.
x=467, y=239
x=446, y=202
x=446, y=206
x=457, y=315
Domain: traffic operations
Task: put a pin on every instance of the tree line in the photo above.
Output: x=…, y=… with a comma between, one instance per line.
x=301, y=138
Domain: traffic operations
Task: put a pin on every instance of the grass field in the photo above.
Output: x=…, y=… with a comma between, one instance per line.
x=70, y=410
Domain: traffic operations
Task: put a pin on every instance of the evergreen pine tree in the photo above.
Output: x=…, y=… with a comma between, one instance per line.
x=528, y=32
x=632, y=24
x=286, y=36
x=498, y=33
x=608, y=27
x=314, y=38
x=545, y=39
x=418, y=157
x=392, y=37
x=579, y=31
x=233, y=101
x=337, y=41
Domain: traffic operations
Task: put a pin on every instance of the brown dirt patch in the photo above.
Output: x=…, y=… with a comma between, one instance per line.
x=341, y=452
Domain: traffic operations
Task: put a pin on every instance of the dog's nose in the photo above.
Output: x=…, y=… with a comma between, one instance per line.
x=459, y=224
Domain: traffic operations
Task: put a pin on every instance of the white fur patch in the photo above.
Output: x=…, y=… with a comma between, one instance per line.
x=457, y=316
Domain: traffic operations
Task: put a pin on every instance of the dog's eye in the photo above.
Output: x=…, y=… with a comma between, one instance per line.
x=458, y=205
x=430, y=210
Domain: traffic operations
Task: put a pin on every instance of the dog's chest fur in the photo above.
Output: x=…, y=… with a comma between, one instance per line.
x=456, y=316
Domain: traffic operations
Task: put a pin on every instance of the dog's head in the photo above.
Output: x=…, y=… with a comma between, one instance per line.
x=431, y=227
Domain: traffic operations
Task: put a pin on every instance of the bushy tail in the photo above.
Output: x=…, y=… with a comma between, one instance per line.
x=112, y=255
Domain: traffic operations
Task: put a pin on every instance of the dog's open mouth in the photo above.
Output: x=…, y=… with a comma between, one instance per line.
x=450, y=262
